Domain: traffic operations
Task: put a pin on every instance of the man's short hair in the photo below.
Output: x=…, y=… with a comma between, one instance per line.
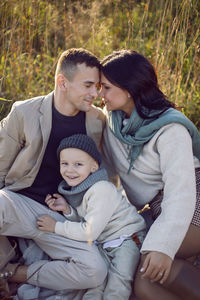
x=69, y=59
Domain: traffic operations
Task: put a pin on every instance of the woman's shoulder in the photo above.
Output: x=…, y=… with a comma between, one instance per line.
x=172, y=130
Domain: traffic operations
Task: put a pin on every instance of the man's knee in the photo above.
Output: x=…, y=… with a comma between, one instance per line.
x=95, y=275
x=4, y=209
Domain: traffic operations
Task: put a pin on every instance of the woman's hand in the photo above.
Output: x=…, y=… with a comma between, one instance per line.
x=156, y=266
x=46, y=223
x=57, y=203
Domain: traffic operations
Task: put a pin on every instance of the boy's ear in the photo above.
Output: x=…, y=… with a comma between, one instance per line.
x=61, y=82
x=94, y=167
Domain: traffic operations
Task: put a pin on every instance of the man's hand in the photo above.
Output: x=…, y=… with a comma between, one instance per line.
x=46, y=223
x=156, y=266
x=57, y=203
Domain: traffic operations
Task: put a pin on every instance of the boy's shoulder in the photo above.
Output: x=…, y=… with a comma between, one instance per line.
x=103, y=187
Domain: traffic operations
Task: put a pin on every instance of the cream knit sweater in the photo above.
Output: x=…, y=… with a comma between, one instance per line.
x=103, y=215
x=166, y=162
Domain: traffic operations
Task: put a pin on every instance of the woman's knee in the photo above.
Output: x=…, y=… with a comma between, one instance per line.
x=140, y=286
x=191, y=243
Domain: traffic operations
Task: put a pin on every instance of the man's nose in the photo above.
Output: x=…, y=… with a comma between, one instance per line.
x=94, y=92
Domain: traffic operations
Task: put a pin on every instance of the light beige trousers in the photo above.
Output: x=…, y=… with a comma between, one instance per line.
x=74, y=265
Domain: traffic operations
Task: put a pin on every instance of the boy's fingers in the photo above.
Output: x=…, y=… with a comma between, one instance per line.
x=56, y=195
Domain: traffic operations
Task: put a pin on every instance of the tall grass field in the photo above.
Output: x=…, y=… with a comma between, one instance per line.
x=33, y=34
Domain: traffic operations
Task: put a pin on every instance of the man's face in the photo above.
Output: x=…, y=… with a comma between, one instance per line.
x=82, y=89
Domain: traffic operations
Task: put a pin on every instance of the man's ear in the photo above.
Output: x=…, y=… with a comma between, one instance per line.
x=62, y=81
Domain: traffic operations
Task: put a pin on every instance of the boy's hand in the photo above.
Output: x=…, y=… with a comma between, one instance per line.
x=156, y=266
x=46, y=223
x=57, y=203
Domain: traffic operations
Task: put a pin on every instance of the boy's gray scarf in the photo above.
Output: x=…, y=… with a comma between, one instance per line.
x=139, y=131
x=74, y=195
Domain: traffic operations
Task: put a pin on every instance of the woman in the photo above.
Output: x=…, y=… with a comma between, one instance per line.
x=155, y=150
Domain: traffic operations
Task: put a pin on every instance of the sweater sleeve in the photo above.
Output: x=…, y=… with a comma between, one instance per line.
x=99, y=203
x=73, y=215
x=166, y=234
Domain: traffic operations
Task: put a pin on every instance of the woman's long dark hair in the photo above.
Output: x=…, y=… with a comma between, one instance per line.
x=131, y=71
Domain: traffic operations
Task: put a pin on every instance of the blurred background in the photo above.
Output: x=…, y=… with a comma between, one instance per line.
x=33, y=34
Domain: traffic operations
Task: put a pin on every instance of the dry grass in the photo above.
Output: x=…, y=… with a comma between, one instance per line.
x=34, y=33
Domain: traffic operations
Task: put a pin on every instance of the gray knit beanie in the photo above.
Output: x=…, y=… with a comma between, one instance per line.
x=82, y=142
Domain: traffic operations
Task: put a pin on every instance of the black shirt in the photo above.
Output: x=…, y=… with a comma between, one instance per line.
x=48, y=177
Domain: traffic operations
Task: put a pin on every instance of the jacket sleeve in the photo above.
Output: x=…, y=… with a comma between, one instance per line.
x=11, y=142
x=100, y=203
x=166, y=234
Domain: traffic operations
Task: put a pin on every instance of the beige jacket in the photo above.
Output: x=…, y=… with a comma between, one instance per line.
x=24, y=135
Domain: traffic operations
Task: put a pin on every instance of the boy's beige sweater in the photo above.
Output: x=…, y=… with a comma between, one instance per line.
x=103, y=215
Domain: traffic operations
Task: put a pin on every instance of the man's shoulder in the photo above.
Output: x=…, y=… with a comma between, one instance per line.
x=32, y=104
x=28, y=102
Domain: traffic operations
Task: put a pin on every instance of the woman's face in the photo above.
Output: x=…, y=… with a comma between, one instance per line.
x=115, y=98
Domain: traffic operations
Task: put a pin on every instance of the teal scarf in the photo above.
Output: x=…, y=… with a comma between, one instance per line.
x=138, y=131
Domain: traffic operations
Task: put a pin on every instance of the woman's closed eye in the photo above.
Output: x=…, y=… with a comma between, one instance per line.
x=106, y=87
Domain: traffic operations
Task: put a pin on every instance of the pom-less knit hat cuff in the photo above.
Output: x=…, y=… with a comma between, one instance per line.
x=82, y=142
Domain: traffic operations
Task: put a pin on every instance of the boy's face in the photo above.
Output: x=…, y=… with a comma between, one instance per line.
x=76, y=165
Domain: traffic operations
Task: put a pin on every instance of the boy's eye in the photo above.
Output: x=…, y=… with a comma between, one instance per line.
x=64, y=164
x=78, y=164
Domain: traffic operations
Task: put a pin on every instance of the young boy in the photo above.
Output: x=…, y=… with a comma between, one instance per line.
x=96, y=212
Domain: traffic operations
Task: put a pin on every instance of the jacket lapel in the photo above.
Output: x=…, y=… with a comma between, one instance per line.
x=46, y=120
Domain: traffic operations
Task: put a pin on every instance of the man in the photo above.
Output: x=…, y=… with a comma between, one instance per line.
x=29, y=137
